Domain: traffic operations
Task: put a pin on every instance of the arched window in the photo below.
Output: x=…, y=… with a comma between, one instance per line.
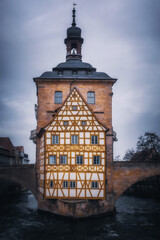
x=74, y=48
x=91, y=97
x=58, y=97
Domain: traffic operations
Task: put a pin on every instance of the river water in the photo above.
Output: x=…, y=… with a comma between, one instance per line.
x=136, y=219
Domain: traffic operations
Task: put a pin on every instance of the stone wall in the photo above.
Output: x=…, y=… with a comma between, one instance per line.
x=103, y=98
x=125, y=174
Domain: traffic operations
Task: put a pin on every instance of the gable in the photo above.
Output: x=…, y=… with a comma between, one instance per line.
x=74, y=118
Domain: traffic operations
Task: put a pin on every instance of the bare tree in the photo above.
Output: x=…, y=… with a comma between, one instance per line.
x=148, y=141
x=128, y=154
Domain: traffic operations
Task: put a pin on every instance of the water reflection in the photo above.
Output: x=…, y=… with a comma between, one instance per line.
x=136, y=219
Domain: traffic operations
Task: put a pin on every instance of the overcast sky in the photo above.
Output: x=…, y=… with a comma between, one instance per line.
x=121, y=38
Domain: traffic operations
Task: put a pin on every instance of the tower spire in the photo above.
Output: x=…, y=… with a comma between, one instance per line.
x=74, y=15
x=73, y=41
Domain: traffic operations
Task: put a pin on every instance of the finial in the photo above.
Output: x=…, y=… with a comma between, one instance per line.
x=74, y=15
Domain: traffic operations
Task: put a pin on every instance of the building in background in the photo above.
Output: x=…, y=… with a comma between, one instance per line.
x=10, y=154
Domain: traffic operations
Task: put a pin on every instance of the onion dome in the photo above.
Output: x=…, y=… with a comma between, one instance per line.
x=73, y=41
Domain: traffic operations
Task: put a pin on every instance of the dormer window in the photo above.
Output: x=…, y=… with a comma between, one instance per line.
x=74, y=72
x=91, y=97
x=89, y=72
x=58, y=97
x=60, y=73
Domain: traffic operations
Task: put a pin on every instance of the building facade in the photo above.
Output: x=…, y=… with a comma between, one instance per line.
x=74, y=129
x=10, y=154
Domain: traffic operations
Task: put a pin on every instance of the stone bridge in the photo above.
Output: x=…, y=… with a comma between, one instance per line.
x=127, y=173
x=124, y=175
x=24, y=175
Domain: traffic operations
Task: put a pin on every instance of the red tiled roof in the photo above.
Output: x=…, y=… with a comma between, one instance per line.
x=20, y=148
x=7, y=144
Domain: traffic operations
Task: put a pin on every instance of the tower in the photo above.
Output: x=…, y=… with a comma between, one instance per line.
x=74, y=134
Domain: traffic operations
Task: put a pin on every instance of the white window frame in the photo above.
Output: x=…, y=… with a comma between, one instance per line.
x=74, y=139
x=52, y=159
x=79, y=159
x=74, y=107
x=65, y=123
x=96, y=160
x=83, y=123
x=94, y=139
x=55, y=139
x=72, y=184
x=63, y=159
x=65, y=184
x=58, y=99
x=94, y=184
x=91, y=97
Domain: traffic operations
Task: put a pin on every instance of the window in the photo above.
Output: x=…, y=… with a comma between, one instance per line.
x=96, y=160
x=55, y=139
x=58, y=97
x=74, y=72
x=74, y=139
x=83, y=123
x=79, y=159
x=94, y=184
x=72, y=184
x=74, y=48
x=94, y=139
x=65, y=184
x=51, y=184
x=65, y=123
x=91, y=97
x=60, y=73
x=63, y=159
x=89, y=72
x=74, y=108
x=52, y=159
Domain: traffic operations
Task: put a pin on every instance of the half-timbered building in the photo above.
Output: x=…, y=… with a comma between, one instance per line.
x=73, y=146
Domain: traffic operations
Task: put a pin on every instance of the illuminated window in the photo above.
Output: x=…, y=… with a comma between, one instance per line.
x=65, y=184
x=55, y=139
x=72, y=184
x=91, y=97
x=94, y=184
x=79, y=159
x=63, y=159
x=58, y=97
x=94, y=139
x=74, y=139
x=51, y=184
x=52, y=159
x=96, y=160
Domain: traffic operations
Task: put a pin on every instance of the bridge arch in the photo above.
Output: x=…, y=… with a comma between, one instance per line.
x=127, y=174
x=24, y=175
